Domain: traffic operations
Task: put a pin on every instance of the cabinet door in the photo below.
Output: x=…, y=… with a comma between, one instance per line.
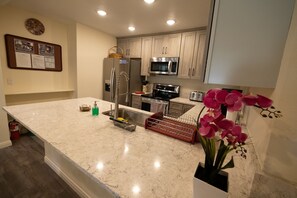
x=123, y=43
x=136, y=102
x=186, y=54
x=197, y=69
x=146, y=54
x=158, y=46
x=172, y=45
x=247, y=40
x=134, y=47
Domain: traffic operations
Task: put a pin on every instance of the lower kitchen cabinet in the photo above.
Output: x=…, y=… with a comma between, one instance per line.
x=136, y=101
x=177, y=109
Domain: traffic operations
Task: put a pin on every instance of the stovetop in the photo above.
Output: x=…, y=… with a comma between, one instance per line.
x=163, y=92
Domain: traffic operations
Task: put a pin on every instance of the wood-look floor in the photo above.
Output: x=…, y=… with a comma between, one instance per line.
x=23, y=172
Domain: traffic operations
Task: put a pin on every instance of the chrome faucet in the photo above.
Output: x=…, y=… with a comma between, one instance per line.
x=117, y=94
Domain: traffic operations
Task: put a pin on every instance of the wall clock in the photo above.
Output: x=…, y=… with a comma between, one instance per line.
x=34, y=26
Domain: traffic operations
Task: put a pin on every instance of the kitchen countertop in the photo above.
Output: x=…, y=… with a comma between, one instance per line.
x=185, y=101
x=157, y=165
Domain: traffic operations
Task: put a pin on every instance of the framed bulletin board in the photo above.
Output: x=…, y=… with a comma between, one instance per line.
x=24, y=53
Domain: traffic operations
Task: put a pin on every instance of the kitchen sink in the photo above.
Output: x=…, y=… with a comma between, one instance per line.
x=132, y=117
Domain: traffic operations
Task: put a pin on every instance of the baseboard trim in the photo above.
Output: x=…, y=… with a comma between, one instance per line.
x=65, y=177
x=5, y=144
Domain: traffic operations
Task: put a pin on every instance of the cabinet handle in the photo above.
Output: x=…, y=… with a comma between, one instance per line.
x=162, y=50
x=189, y=72
x=193, y=72
x=166, y=50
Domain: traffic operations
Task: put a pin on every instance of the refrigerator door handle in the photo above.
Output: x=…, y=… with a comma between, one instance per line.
x=112, y=84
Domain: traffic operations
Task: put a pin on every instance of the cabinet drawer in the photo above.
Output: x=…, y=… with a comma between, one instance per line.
x=136, y=98
x=136, y=105
x=136, y=102
x=178, y=106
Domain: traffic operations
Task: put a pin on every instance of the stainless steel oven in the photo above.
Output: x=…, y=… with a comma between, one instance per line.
x=158, y=101
x=154, y=105
x=164, y=65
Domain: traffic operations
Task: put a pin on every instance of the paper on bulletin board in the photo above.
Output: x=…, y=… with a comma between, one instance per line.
x=49, y=62
x=38, y=61
x=23, y=60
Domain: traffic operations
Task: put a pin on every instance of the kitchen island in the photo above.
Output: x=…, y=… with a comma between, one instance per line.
x=99, y=159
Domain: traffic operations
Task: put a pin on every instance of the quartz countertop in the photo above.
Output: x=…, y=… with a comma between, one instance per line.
x=154, y=164
x=185, y=101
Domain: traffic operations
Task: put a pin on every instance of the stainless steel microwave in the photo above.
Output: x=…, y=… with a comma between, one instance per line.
x=164, y=65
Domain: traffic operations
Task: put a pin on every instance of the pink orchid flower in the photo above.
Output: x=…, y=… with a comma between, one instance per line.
x=234, y=101
x=225, y=124
x=208, y=131
x=209, y=99
x=249, y=100
x=263, y=102
x=221, y=96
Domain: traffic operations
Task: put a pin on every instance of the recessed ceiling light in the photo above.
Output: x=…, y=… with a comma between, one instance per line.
x=149, y=1
x=170, y=22
x=101, y=12
x=131, y=28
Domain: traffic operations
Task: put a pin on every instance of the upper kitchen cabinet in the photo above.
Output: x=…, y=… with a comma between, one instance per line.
x=166, y=45
x=186, y=54
x=146, y=54
x=131, y=47
x=191, y=55
x=197, y=69
x=246, y=41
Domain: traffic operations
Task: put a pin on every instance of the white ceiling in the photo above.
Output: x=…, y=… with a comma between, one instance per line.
x=146, y=18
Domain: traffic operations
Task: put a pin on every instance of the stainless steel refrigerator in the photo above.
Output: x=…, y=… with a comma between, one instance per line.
x=112, y=68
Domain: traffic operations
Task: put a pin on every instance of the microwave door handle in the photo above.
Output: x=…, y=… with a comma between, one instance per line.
x=169, y=67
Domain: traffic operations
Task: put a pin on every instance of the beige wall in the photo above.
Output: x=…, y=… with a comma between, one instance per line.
x=276, y=140
x=12, y=22
x=4, y=133
x=92, y=48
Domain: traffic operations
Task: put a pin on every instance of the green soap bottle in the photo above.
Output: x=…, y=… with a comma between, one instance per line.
x=95, y=110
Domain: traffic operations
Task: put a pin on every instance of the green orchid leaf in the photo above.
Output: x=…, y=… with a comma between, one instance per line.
x=223, y=150
x=230, y=164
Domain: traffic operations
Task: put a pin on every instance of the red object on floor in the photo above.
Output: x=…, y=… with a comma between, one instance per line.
x=14, y=135
x=14, y=130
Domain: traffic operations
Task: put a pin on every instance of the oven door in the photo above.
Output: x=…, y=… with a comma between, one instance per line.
x=153, y=105
x=145, y=104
